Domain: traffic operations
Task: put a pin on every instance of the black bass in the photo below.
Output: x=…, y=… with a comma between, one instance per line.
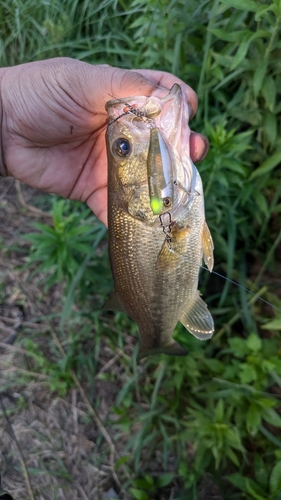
x=156, y=220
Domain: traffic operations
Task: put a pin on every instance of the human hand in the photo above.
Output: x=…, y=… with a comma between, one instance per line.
x=54, y=121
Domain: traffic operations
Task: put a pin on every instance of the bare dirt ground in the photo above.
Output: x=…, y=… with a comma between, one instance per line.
x=51, y=447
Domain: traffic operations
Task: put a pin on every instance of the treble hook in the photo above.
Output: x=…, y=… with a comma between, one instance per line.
x=166, y=226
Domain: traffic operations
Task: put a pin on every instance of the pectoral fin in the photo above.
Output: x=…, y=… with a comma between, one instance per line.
x=198, y=319
x=208, y=247
x=171, y=254
x=114, y=304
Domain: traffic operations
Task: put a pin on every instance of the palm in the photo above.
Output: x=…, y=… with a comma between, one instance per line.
x=73, y=169
x=54, y=124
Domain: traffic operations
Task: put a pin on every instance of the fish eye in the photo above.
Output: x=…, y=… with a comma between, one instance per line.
x=167, y=201
x=122, y=147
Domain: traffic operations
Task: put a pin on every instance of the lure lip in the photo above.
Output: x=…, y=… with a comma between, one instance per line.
x=160, y=173
x=125, y=100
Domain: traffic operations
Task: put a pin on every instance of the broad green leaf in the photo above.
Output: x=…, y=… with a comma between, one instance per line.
x=234, y=166
x=253, y=419
x=144, y=483
x=275, y=7
x=218, y=74
x=242, y=4
x=275, y=377
x=270, y=127
x=254, y=342
x=265, y=403
x=233, y=439
x=165, y=479
x=219, y=411
x=275, y=479
x=269, y=92
x=261, y=471
x=214, y=365
x=252, y=490
x=267, y=365
x=247, y=373
x=238, y=346
x=260, y=34
x=272, y=417
x=270, y=436
x=233, y=457
x=238, y=480
x=227, y=36
x=277, y=208
x=275, y=324
x=262, y=10
x=121, y=461
x=241, y=52
x=138, y=494
x=259, y=75
x=268, y=165
x=223, y=60
x=252, y=116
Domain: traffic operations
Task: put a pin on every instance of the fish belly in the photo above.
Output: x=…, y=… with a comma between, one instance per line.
x=155, y=297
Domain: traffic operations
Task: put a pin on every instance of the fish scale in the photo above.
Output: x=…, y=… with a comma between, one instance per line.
x=155, y=272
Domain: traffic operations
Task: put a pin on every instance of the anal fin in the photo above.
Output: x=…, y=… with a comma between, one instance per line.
x=198, y=319
x=114, y=304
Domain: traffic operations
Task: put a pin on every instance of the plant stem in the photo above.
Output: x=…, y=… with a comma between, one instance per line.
x=205, y=58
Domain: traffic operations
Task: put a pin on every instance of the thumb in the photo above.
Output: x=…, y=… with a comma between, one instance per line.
x=127, y=83
x=92, y=86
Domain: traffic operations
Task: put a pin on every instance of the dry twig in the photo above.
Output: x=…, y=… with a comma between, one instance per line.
x=33, y=210
x=22, y=461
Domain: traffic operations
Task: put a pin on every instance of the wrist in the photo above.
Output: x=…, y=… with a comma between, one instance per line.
x=3, y=170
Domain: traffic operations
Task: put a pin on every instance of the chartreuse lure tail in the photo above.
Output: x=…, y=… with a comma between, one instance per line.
x=160, y=174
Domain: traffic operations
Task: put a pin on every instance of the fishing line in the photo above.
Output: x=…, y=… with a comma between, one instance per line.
x=235, y=283
x=243, y=288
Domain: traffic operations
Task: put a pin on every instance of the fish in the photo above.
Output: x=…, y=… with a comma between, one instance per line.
x=157, y=230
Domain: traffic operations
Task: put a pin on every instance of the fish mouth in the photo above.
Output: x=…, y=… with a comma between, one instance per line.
x=141, y=107
x=170, y=177
x=176, y=88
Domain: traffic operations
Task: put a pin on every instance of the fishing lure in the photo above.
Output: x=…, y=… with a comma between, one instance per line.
x=160, y=172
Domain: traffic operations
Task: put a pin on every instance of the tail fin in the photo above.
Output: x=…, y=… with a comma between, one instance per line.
x=172, y=349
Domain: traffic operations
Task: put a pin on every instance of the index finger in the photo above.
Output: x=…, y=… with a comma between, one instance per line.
x=165, y=80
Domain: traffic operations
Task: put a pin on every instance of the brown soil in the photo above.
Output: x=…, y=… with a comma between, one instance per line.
x=50, y=448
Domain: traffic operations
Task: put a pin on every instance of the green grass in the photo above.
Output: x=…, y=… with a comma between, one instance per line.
x=218, y=410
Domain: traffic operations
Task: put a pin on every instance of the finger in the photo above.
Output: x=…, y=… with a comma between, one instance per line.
x=95, y=85
x=107, y=81
x=127, y=83
x=97, y=202
x=199, y=146
x=166, y=80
